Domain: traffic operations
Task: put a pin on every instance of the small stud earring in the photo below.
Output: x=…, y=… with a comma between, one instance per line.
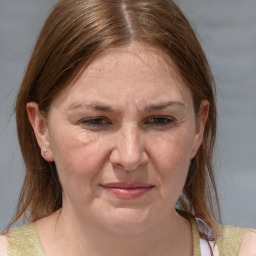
x=45, y=153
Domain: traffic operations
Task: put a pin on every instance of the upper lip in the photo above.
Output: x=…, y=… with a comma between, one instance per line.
x=125, y=185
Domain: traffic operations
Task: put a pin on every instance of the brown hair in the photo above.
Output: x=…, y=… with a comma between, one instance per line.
x=74, y=34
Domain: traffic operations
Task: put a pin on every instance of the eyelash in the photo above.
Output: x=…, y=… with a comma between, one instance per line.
x=101, y=122
x=160, y=121
x=95, y=122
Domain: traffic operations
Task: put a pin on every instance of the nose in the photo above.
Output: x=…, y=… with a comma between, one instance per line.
x=129, y=149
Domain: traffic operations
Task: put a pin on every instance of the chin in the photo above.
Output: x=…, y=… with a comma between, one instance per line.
x=128, y=221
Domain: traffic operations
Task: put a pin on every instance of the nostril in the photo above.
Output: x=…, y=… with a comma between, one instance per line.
x=128, y=162
x=128, y=148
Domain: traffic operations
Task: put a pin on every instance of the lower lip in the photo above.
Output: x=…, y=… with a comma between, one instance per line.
x=128, y=193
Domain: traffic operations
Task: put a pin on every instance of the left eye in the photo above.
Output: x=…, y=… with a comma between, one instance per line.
x=159, y=120
x=96, y=122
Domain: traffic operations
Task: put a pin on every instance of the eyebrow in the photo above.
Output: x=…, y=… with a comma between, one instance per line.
x=108, y=108
x=161, y=106
x=93, y=106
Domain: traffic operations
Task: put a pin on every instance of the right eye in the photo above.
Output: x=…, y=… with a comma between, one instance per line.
x=95, y=123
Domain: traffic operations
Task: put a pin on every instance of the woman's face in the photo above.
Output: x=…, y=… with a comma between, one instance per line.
x=122, y=137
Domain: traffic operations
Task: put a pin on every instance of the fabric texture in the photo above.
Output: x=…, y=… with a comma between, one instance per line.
x=230, y=241
x=25, y=241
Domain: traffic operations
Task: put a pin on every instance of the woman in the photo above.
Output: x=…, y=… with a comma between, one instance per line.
x=116, y=120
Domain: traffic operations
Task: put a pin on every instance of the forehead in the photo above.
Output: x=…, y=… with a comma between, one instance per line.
x=136, y=58
x=138, y=71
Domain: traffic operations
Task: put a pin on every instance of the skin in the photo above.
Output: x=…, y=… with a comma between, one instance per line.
x=3, y=246
x=126, y=144
x=128, y=118
x=248, y=246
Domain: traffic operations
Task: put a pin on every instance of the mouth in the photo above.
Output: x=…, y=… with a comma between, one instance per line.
x=124, y=190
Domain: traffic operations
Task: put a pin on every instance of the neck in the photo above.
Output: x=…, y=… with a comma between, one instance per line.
x=171, y=236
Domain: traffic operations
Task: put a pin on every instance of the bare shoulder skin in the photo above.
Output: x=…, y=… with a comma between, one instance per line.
x=248, y=246
x=3, y=246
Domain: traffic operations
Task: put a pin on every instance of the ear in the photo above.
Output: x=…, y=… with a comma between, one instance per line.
x=40, y=127
x=201, y=120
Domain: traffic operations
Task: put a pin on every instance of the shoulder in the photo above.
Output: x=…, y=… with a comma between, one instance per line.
x=24, y=240
x=234, y=240
x=248, y=245
x=3, y=245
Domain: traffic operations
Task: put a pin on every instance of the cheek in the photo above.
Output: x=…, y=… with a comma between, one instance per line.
x=79, y=158
x=171, y=160
x=175, y=149
x=77, y=154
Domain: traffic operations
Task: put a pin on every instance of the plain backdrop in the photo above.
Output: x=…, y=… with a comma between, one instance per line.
x=227, y=31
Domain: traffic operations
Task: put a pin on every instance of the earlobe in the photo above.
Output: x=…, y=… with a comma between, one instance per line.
x=40, y=127
x=200, y=125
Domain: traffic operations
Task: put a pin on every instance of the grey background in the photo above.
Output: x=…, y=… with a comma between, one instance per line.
x=227, y=31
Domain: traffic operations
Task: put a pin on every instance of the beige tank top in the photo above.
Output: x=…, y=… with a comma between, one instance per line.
x=25, y=241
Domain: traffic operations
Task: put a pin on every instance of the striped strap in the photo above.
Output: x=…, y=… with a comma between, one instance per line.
x=196, y=237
